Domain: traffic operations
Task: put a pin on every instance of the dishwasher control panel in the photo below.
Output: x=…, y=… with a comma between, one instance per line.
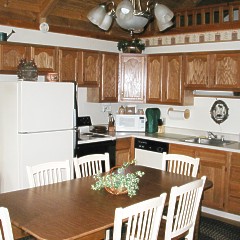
x=150, y=145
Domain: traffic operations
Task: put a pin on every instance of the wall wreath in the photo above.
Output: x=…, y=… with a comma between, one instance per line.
x=219, y=111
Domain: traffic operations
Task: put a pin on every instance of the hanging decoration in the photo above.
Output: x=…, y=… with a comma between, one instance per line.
x=219, y=111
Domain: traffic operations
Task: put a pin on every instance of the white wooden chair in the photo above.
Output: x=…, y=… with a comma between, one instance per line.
x=6, y=229
x=143, y=219
x=91, y=164
x=183, y=208
x=48, y=173
x=181, y=164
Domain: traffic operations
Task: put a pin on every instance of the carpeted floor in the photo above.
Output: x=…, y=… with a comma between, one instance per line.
x=211, y=229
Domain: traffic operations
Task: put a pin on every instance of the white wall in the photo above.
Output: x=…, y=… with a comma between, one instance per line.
x=200, y=118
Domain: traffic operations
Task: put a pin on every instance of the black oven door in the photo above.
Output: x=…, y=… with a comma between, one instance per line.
x=108, y=146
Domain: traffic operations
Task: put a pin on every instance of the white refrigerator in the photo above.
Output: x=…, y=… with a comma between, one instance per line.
x=37, y=125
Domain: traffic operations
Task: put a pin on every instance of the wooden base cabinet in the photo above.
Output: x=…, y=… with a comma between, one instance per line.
x=213, y=165
x=124, y=150
x=233, y=194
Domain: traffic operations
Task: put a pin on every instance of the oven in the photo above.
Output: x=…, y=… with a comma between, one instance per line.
x=90, y=142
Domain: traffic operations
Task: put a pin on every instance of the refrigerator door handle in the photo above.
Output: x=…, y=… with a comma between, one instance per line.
x=74, y=118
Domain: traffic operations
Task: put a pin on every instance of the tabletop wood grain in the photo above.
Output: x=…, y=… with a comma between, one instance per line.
x=72, y=210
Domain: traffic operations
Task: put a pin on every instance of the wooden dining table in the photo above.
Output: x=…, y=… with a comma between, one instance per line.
x=72, y=210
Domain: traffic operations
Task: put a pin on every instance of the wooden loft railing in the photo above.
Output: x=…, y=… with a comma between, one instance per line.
x=227, y=14
x=202, y=19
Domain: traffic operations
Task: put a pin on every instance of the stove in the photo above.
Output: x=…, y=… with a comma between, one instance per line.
x=86, y=132
x=90, y=142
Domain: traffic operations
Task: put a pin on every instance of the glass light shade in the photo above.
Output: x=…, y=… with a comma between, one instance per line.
x=106, y=23
x=124, y=10
x=136, y=23
x=163, y=13
x=97, y=14
x=164, y=26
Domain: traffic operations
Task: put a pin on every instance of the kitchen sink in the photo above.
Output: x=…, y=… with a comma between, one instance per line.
x=209, y=141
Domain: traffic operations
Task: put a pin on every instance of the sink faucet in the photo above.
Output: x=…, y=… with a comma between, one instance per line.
x=211, y=135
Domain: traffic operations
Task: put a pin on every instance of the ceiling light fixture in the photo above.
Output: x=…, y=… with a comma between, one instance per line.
x=130, y=16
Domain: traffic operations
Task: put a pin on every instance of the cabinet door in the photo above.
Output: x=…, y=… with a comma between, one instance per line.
x=132, y=78
x=196, y=70
x=68, y=64
x=45, y=58
x=233, y=194
x=91, y=69
x=154, y=79
x=109, y=80
x=213, y=165
x=108, y=90
x=124, y=150
x=226, y=69
x=11, y=54
x=172, y=79
x=181, y=149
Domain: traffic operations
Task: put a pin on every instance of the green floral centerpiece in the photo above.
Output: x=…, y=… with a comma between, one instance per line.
x=119, y=180
x=133, y=46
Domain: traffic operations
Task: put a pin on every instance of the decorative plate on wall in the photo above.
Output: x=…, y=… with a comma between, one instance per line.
x=219, y=111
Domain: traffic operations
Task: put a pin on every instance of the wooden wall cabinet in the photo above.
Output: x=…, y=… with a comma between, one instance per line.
x=213, y=165
x=108, y=89
x=10, y=56
x=132, y=78
x=68, y=64
x=164, y=80
x=197, y=70
x=213, y=71
x=90, y=62
x=45, y=58
x=124, y=150
x=226, y=69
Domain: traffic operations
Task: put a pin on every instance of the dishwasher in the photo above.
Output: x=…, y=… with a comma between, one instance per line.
x=149, y=153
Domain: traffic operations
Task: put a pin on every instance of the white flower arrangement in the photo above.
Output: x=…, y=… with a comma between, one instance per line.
x=121, y=181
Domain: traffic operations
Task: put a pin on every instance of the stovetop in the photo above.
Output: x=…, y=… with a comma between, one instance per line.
x=86, y=136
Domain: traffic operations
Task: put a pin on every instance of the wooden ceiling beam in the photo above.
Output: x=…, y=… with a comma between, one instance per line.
x=46, y=8
x=20, y=5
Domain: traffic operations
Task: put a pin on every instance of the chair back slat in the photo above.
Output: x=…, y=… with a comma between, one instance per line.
x=48, y=173
x=183, y=208
x=91, y=164
x=181, y=164
x=141, y=220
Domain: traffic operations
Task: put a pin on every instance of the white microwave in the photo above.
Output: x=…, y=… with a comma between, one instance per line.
x=130, y=123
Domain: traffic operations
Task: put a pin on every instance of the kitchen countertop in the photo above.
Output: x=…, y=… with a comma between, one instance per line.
x=175, y=138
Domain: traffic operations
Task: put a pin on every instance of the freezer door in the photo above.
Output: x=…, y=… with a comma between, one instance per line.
x=45, y=106
x=39, y=148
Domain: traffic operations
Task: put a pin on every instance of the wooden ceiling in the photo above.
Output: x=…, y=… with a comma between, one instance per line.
x=70, y=16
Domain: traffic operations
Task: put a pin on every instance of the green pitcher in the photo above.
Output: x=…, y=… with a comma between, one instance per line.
x=152, y=114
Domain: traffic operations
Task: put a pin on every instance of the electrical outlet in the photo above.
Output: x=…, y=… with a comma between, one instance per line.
x=106, y=108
